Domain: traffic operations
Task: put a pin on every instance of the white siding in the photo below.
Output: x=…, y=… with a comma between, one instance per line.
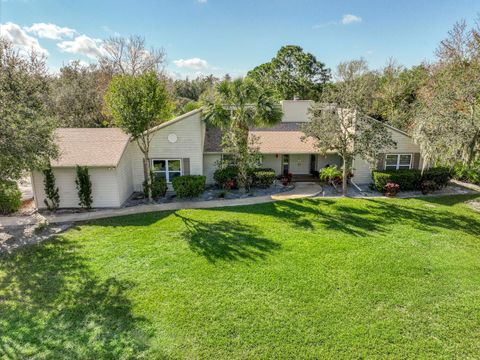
x=295, y=110
x=329, y=159
x=104, y=187
x=210, y=165
x=189, y=144
x=362, y=170
x=124, y=176
x=272, y=161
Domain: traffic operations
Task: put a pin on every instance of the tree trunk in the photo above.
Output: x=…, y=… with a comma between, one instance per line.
x=148, y=178
x=344, y=178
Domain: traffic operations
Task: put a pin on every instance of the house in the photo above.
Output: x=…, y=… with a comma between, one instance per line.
x=185, y=145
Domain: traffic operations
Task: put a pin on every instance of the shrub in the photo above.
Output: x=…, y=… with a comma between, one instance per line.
x=467, y=173
x=84, y=187
x=189, y=186
x=10, y=197
x=159, y=186
x=52, y=200
x=439, y=175
x=224, y=175
x=331, y=175
x=406, y=179
x=428, y=186
x=263, y=178
x=391, y=188
x=286, y=178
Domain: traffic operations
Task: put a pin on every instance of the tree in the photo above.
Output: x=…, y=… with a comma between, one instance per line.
x=137, y=104
x=84, y=187
x=448, y=117
x=77, y=96
x=26, y=132
x=338, y=121
x=236, y=106
x=292, y=73
x=187, y=92
x=52, y=195
x=130, y=56
x=396, y=93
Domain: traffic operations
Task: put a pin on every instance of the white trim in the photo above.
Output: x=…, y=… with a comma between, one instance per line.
x=390, y=126
x=167, y=172
x=398, y=160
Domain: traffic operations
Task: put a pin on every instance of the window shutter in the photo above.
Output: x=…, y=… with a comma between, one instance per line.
x=381, y=162
x=416, y=161
x=186, y=166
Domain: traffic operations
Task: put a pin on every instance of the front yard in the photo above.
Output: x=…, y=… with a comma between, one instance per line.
x=335, y=278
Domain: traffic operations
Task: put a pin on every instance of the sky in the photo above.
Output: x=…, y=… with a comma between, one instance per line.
x=231, y=36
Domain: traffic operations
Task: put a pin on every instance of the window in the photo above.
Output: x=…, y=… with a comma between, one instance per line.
x=167, y=169
x=398, y=161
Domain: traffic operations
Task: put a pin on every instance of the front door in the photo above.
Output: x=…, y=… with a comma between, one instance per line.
x=285, y=164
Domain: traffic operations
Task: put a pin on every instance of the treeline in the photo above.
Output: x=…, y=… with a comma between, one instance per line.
x=437, y=102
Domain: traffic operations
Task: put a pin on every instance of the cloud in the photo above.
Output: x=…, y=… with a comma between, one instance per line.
x=50, y=31
x=346, y=19
x=351, y=19
x=193, y=63
x=83, y=45
x=202, y=1
x=20, y=38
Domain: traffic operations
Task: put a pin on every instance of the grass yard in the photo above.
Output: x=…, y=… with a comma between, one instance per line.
x=344, y=278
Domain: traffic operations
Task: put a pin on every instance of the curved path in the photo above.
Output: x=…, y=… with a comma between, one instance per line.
x=301, y=190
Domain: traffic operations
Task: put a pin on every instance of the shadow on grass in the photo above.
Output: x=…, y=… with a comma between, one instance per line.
x=226, y=240
x=365, y=217
x=52, y=306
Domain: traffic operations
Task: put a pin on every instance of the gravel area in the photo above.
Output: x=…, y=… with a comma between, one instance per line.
x=13, y=237
x=210, y=193
x=330, y=191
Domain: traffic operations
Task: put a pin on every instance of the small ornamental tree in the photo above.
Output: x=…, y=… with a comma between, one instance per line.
x=52, y=200
x=341, y=125
x=137, y=104
x=235, y=107
x=84, y=187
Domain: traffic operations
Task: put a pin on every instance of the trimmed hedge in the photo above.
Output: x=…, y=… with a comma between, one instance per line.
x=10, y=197
x=263, y=178
x=439, y=175
x=223, y=175
x=411, y=179
x=159, y=187
x=189, y=186
x=407, y=179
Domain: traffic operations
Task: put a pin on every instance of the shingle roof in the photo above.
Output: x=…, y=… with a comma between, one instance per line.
x=90, y=146
x=283, y=138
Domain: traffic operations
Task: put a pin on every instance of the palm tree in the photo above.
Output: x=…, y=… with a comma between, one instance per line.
x=236, y=106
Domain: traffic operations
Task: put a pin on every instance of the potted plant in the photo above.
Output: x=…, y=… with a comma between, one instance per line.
x=391, y=189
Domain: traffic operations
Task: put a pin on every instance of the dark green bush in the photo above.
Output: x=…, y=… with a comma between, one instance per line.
x=189, y=186
x=84, y=187
x=406, y=179
x=439, y=175
x=263, y=178
x=52, y=201
x=159, y=186
x=10, y=197
x=224, y=175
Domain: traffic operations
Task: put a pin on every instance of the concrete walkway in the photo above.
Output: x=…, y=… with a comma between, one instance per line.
x=301, y=190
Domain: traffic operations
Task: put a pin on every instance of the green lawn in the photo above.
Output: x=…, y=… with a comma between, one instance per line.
x=300, y=279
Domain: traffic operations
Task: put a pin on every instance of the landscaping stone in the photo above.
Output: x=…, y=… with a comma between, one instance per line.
x=210, y=193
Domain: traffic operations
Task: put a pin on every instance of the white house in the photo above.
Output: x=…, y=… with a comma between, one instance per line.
x=187, y=146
